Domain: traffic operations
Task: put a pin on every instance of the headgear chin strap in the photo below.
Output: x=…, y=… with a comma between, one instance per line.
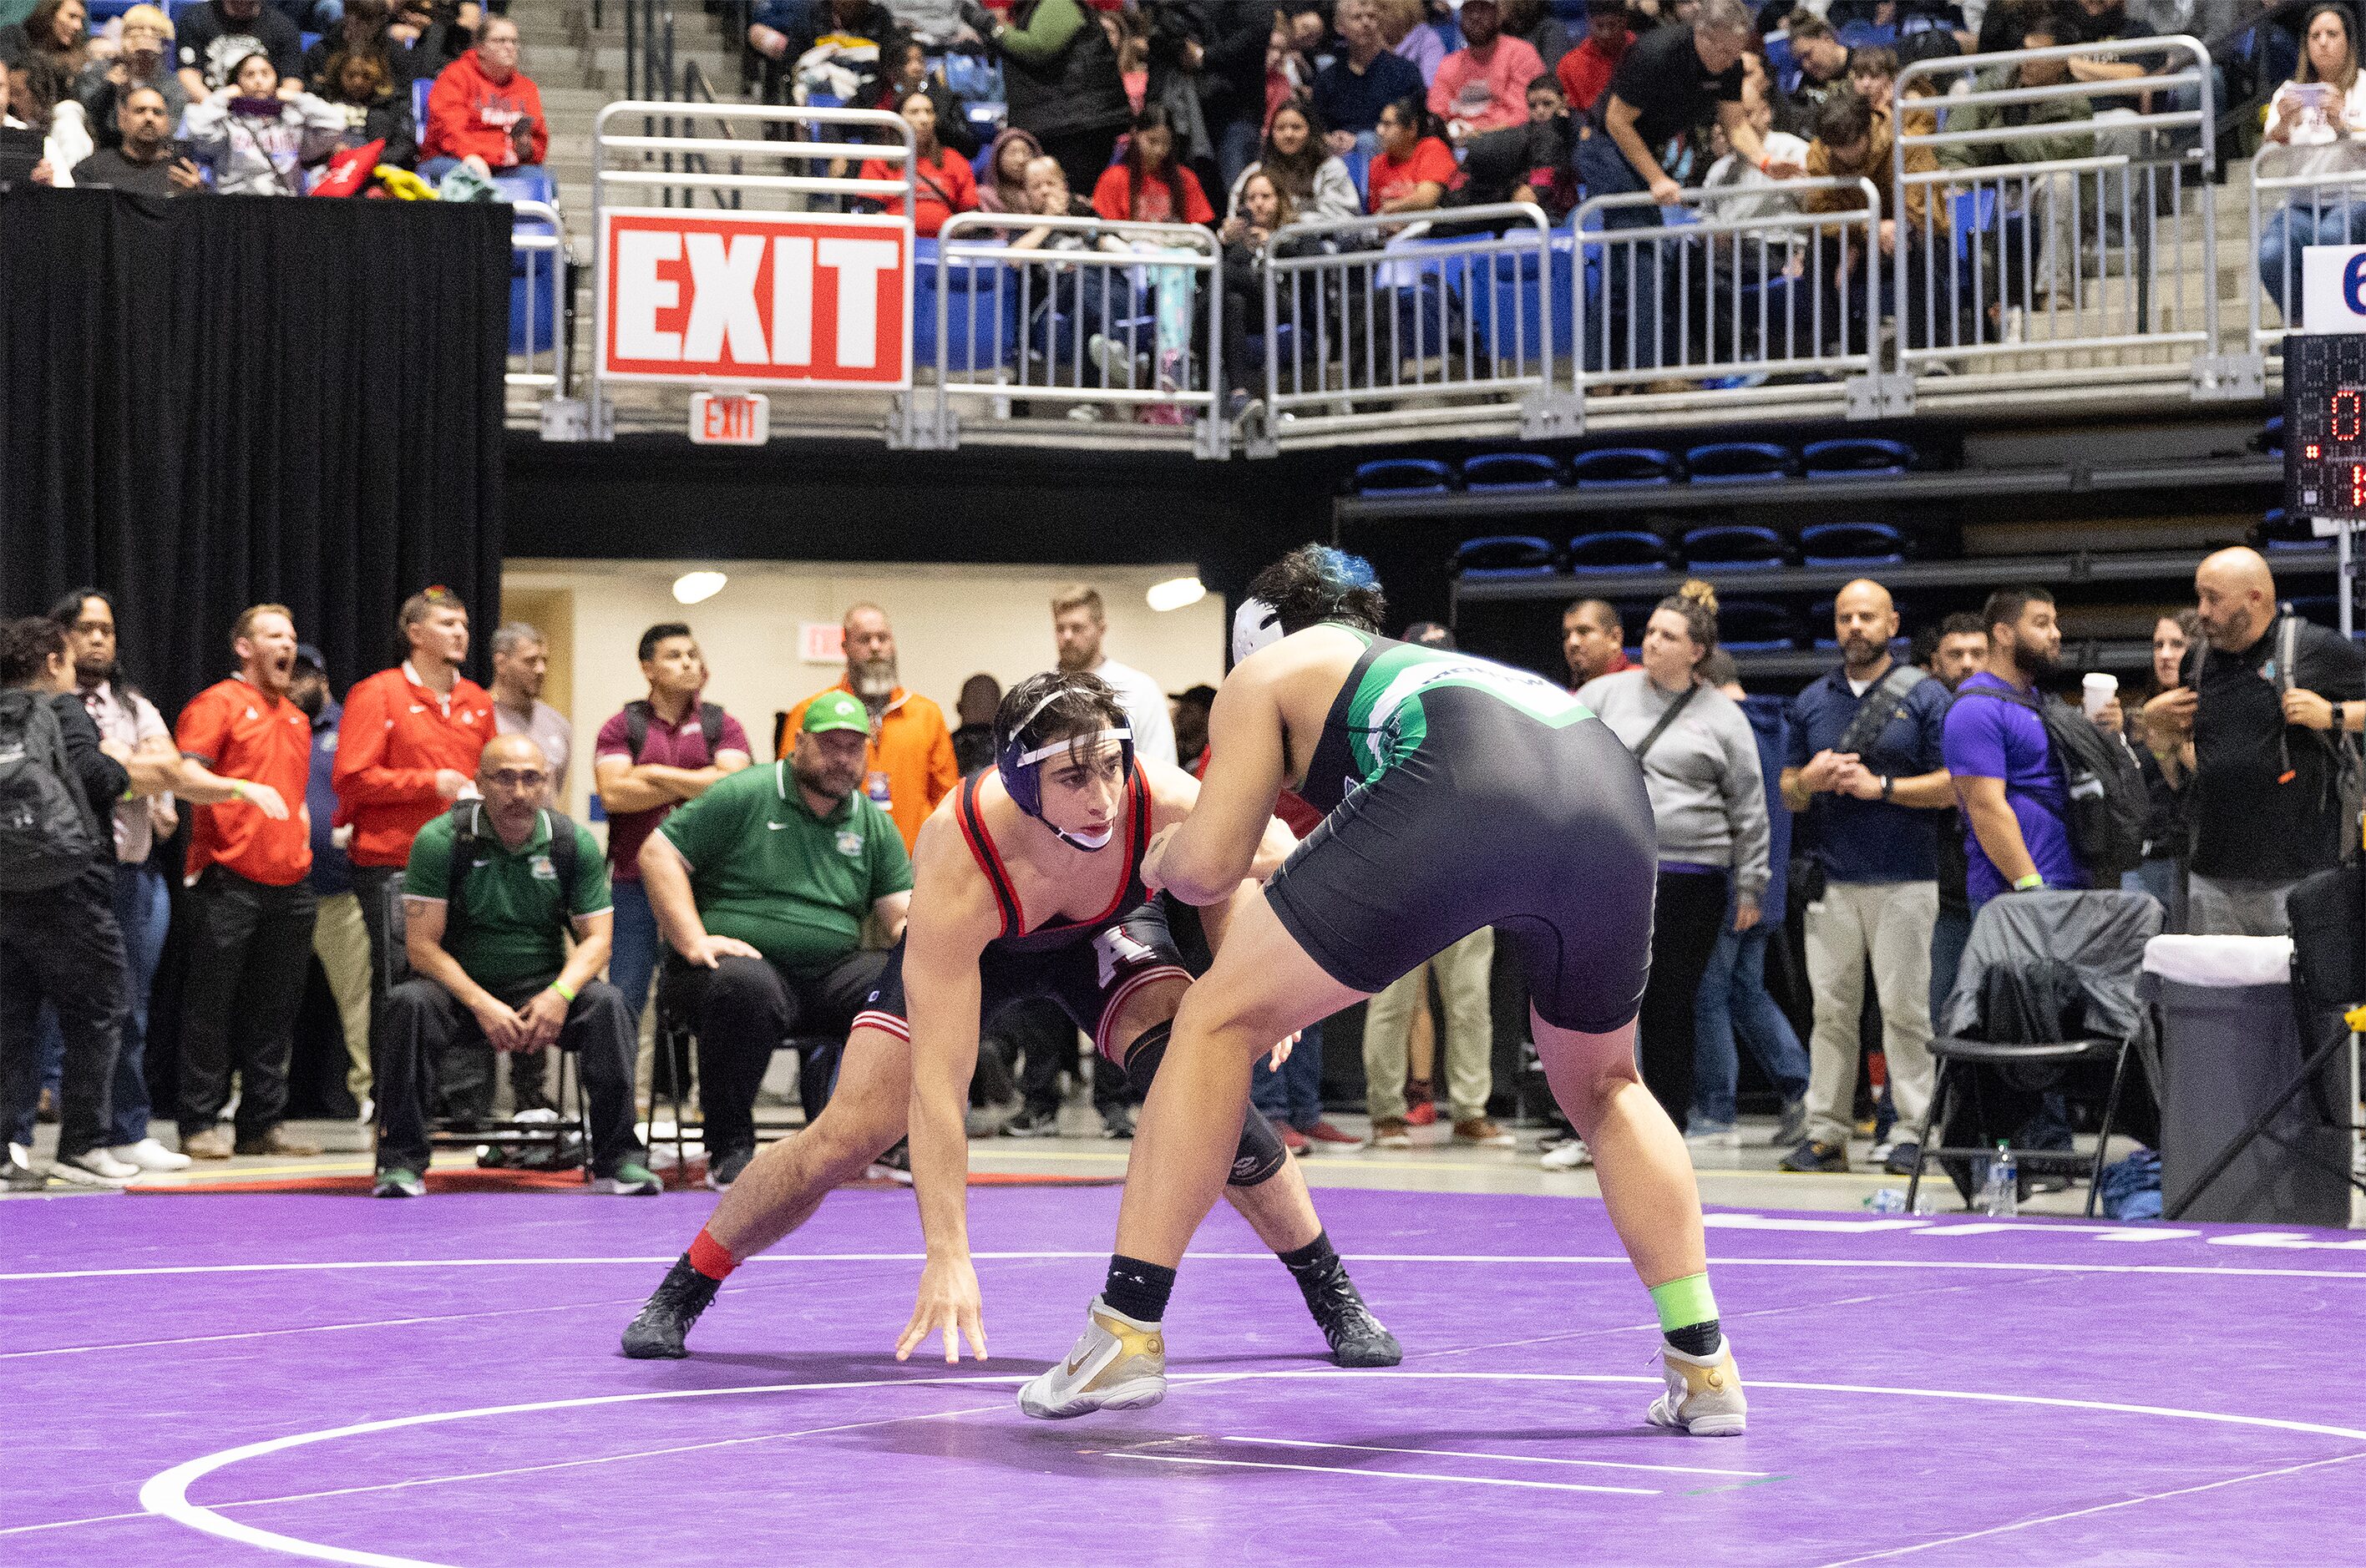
x=1256, y=625
x=1022, y=775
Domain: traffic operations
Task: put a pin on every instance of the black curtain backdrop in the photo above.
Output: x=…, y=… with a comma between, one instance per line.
x=213, y=402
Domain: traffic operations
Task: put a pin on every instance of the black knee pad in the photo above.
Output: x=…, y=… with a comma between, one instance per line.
x=1149, y=1050
x=1260, y=1154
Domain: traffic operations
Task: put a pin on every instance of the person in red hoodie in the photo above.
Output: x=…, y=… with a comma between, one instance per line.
x=406, y=749
x=483, y=111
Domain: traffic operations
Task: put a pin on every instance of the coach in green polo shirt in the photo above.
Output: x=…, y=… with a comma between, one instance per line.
x=493, y=888
x=762, y=887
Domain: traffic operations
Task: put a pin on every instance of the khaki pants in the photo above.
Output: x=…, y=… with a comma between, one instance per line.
x=342, y=943
x=1466, y=1039
x=1892, y=922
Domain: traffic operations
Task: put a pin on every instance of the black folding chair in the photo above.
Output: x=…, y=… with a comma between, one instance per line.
x=2085, y=949
x=673, y=1080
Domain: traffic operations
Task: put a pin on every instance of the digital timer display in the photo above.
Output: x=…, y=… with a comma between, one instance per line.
x=2324, y=426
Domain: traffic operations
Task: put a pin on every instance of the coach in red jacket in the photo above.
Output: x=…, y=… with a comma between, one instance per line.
x=406, y=748
x=483, y=110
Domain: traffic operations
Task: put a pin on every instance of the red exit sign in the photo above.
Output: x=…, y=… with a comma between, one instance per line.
x=730, y=419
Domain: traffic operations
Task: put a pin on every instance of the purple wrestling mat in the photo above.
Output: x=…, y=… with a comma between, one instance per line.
x=231, y=1380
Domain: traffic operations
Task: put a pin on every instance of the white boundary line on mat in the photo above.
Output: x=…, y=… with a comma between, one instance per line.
x=166, y=1494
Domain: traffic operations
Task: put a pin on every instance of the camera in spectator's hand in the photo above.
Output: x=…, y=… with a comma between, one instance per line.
x=977, y=17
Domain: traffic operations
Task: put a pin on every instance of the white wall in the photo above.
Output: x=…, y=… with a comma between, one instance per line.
x=951, y=622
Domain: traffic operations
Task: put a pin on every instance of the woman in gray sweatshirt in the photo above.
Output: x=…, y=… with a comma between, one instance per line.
x=1700, y=765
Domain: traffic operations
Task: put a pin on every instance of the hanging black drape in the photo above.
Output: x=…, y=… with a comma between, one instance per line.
x=218, y=401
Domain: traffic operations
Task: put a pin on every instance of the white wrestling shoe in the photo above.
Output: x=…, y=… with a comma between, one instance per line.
x=149, y=1155
x=1704, y=1395
x=1118, y=1363
x=1569, y=1155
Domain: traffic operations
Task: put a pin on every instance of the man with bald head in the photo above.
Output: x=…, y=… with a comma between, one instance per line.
x=910, y=764
x=2274, y=694
x=493, y=888
x=1866, y=769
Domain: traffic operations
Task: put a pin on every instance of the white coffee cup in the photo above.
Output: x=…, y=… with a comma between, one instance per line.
x=2098, y=690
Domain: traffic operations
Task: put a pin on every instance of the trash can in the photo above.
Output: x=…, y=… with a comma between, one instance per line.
x=2230, y=1044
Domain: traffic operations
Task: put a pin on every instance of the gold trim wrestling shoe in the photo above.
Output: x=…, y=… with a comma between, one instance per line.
x=1118, y=1363
x=1704, y=1395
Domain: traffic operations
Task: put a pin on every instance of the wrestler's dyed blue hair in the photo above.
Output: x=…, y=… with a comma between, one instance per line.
x=1315, y=583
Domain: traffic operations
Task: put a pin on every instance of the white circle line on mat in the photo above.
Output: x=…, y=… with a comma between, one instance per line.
x=166, y=1493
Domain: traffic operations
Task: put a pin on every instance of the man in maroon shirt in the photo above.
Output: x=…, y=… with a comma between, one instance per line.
x=648, y=759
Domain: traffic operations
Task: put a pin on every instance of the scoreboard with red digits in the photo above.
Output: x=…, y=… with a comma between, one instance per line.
x=2324, y=426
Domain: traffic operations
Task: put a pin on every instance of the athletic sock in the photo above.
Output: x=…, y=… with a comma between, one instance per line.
x=1688, y=1314
x=1315, y=1266
x=709, y=1257
x=1138, y=1289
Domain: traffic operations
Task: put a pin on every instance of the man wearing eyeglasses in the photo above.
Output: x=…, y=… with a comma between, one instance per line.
x=493, y=888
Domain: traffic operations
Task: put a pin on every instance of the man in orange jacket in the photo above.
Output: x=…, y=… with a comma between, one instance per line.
x=483, y=110
x=910, y=767
x=406, y=749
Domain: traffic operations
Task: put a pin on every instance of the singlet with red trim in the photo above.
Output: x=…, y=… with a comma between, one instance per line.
x=1055, y=935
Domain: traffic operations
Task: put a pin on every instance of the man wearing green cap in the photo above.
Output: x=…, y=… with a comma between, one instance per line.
x=761, y=887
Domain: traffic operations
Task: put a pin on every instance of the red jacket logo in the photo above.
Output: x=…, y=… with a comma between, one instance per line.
x=822, y=299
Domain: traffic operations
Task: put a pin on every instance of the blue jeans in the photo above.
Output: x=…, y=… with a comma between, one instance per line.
x=1631, y=272
x=2301, y=224
x=143, y=907
x=1732, y=1000
x=1295, y=1093
x=633, y=959
x=1950, y=934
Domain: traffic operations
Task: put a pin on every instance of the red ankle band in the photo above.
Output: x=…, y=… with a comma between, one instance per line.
x=711, y=1258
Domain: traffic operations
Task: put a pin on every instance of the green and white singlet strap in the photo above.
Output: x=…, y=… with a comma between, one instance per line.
x=1386, y=721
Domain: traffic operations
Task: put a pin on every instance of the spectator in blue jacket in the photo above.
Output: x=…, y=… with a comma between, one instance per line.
x=1732, y=1000
x=339, y=939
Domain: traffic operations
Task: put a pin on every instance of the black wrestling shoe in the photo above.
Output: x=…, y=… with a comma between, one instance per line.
x=1357, y=1338
x=663, y=1327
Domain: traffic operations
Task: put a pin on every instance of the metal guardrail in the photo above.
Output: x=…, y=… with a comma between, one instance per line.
x=538, y=242
x=2017, y=273
x=1729, y=300
x=2340, y=196
x=1378, y=323
x=1089, y=319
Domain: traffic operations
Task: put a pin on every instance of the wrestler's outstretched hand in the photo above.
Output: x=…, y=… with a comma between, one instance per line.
x=948, y=1301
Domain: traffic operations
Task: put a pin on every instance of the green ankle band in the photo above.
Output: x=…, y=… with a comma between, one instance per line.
x=1683, y=1303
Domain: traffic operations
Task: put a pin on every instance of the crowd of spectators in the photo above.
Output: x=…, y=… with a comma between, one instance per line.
x=232, y=99
x=1896, y=795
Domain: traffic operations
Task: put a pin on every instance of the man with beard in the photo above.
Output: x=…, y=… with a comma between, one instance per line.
x=909, y=765
x=145, y=161
x=2015, y=812
x=1032, y=879
x=1078, y=626
x=246, y=754
x=647, y=760
x=762, y=887
x=1866, y=772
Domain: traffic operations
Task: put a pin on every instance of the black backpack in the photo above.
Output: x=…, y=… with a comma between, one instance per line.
x=472, y=836
x=47, y=835
x=2100, y=777
x=639, y=714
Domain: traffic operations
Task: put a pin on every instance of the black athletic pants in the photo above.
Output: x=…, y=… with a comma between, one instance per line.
x=61, y=945
x=1685, y=923
x=743, y=1008
x=380, y=890
x=432, y=1049
x=250, y=950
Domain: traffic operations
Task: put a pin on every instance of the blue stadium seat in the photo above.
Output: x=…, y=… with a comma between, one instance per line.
x=1852, y=545
x=2319, y=607
x=1359, y=169
x=1971, y=212
x=419, y=91
x=1755, y=626
x=1855, y=457
x=981, y=320
x=1500, y=557
x=1403, y=476
x=304, y=42
x=2272, y=438
x=536, y=291
x=1734, y=547
x=1623, y=468
x=1740, y=463
x=1499, y=473
x=532, y=183
x=103, y=11
x=2278, y=534
x=1617, y=550
x=985, y=120
x=1782, y=63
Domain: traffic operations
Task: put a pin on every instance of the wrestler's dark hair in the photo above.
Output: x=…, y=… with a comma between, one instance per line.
x=1081, y=704
x=1314, y=583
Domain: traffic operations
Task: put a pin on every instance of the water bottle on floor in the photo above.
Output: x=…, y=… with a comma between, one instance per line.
x=2001, y=1193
